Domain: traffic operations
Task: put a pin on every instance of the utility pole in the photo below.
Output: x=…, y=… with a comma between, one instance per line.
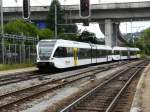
x=2, y=29
x=56, y=22
x=99, y=1
x=132, y=32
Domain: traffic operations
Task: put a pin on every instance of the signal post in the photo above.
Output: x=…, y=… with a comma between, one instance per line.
x=85, y=11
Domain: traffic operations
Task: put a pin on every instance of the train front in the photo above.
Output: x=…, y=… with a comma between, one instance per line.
x=44, y=50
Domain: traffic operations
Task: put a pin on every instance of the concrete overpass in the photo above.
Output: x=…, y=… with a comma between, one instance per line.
x=107, y=15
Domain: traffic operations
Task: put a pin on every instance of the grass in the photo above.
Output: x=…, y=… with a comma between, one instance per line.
x=14, y=66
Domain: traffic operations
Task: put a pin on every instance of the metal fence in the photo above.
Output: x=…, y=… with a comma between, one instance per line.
x=17, y=49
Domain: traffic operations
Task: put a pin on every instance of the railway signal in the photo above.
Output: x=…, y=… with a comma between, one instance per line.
x=26, y=9
x=85, y=10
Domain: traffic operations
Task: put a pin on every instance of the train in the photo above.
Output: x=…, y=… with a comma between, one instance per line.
x=59, y=53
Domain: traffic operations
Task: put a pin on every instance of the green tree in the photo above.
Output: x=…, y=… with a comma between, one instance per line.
x=60, y=20
x=28, y=29
x=19, y=26
x=51, y=16
x=70, y=28
x=144, y=42
x=73, y=37
x=87, y=36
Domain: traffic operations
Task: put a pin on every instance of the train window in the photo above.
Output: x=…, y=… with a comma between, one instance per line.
x=60, y=52
x=109, y=52
x=98, y=53
x=135, y=52
x=124, y=53
x=89, y=53
x=132, y=53
x=84, y=53
x=103, y=53
x=69, y=52
x=138, y=52
x=116, y=52
x=94, y=53
x=47, y=43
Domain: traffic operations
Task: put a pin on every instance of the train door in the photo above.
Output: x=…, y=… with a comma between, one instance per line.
x=94, y=54
x=61, y=58
x=121, y=55
x=92, y=51
x=91, y=54
x=129, y=54
x=107, y=55
x=75, y=55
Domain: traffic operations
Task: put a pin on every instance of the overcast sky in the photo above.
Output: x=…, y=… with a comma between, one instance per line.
x=124, y=27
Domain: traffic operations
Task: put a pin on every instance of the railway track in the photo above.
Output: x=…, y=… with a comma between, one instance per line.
x=124, y=103
x=10, y=79
x=12, y=98
x=104, y=97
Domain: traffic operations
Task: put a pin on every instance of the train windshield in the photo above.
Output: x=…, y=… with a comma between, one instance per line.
x=46, y=47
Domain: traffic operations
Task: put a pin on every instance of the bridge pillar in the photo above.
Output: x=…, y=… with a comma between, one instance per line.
x=112, y=33
x=108, y=32
x=115, y=34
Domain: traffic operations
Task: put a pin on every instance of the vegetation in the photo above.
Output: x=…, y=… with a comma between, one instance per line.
x=61, y=29
x=68, y=32
x=14, y=66
x=51, y=16
x=141, y=40
x=45, y=34
x=20, y=27
x=144, y=42
x=89, y=37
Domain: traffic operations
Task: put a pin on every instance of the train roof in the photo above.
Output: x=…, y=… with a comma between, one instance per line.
x=104, y=47
x=120, y=48
x=126, y=48
x=134, y=49
x=69, y=43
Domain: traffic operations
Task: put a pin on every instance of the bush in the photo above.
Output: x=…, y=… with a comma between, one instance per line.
x=45, y=34
x=28, y=29
x=19, y=26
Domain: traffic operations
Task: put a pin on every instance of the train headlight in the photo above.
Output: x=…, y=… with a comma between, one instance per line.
x=37, y=58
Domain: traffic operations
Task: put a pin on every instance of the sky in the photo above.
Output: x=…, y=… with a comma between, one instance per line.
x=126, y=27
